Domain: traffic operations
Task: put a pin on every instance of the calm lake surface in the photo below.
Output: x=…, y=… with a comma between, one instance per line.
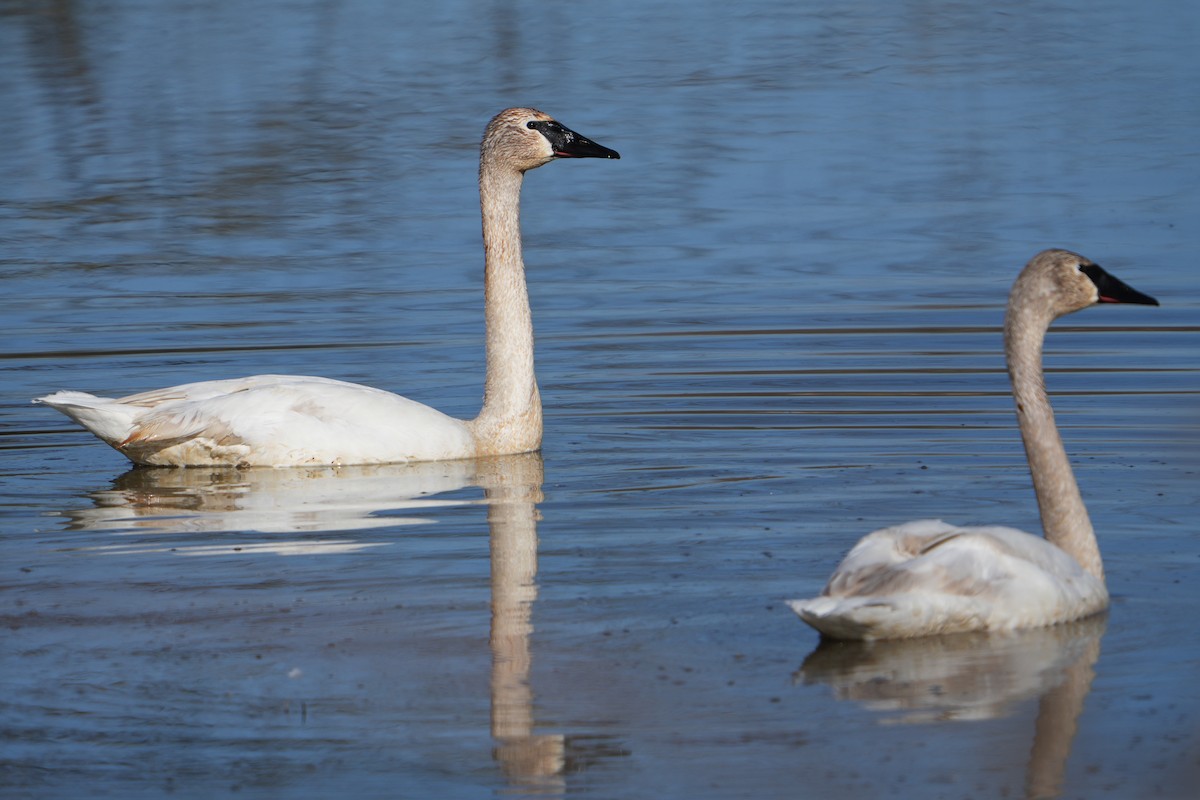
x=771, y=327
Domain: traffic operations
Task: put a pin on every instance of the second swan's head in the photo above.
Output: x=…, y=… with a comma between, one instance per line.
x=1065, y=282
x=525, y=138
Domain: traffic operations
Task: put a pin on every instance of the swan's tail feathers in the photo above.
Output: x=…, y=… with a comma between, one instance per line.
x=845, y=618
x=899, y=616
x=110, y=420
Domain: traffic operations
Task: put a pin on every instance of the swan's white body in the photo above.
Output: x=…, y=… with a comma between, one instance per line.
x=928, y=577
x=296, y=420
x=269, y=420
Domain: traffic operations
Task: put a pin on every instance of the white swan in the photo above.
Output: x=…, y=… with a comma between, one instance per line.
x=290, y=420
x=928, y=577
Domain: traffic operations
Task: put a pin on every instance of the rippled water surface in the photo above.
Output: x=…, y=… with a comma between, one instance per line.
x=771, y=327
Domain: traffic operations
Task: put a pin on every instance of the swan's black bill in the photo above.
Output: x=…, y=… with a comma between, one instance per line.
x=1113, y=290
x=569, y=144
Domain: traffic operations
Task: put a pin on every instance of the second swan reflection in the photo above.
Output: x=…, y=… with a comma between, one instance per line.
x=974, y=676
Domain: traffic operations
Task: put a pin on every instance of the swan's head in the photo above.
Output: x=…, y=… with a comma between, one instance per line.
x=1066, y=282
x=525, y=138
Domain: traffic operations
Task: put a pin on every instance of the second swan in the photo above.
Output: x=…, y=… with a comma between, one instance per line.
x=928, y=577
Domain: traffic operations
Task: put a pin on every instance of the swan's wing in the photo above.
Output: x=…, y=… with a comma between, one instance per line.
x=928, y=577
x=207, y=390
x=237, y=410
x=931, y=555
x=882, y=561
x=159, y=416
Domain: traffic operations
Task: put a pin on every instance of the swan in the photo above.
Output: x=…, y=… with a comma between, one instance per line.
x=293, y=420
x=928, y=577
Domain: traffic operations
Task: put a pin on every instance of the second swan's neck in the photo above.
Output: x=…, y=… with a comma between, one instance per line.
x=511, y=418
x=1065, y=519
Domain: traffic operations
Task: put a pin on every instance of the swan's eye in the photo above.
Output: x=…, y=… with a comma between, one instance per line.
x=531, y=125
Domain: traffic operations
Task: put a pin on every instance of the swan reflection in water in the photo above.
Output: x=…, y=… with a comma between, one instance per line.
x=176, y=511
x=974, y=676
x=512, y=495
x=162, y=510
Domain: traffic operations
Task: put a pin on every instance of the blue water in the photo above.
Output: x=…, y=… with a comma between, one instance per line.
x=770, y=328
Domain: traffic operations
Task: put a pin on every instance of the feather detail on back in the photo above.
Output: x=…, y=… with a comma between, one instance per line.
x=927, y=577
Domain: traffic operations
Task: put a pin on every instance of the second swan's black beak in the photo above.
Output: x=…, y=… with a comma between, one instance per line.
x=566, y=143
x=1114, y=290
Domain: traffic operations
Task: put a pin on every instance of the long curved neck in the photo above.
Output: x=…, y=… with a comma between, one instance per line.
x=511, y=418
x=1065, y=520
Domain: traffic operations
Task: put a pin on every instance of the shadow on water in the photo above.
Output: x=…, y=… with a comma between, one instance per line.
x=974, y=677
x=187, y=506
